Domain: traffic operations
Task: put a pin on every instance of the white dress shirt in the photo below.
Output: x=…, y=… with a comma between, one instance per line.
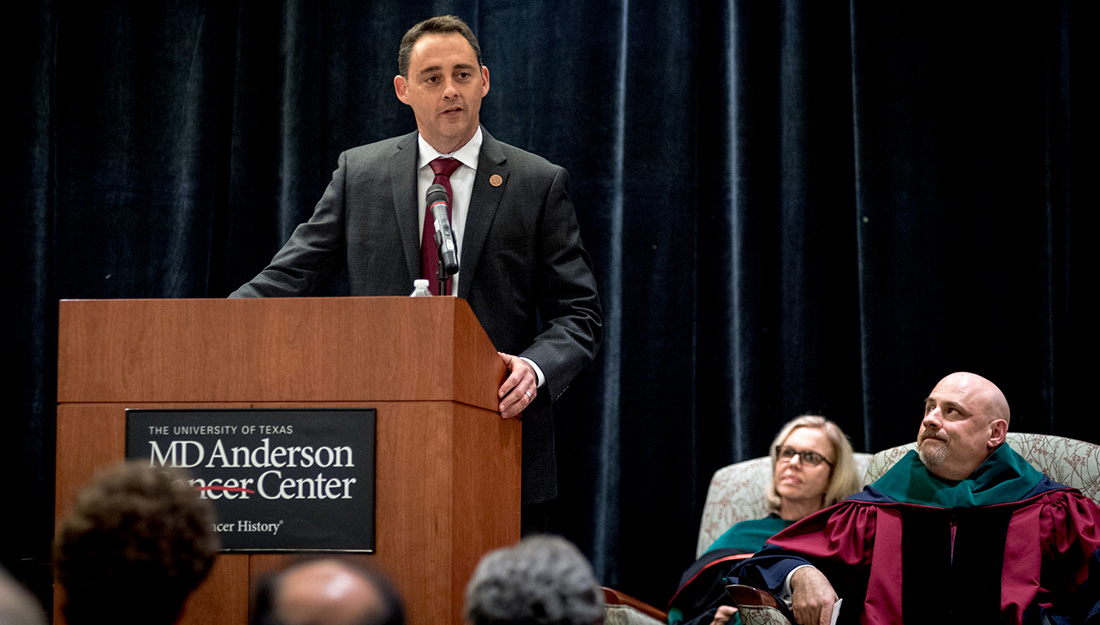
x=462, y=187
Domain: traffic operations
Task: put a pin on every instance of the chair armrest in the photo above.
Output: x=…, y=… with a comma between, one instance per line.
x=613, y=597
x=757, y=607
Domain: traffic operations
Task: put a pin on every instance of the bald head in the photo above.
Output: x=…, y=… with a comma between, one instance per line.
x=985, y=397
x=965, y=419
x=17, y=606
x=329, y=592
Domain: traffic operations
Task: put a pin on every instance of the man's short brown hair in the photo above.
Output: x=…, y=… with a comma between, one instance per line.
x=135, y=544
x=443, y=24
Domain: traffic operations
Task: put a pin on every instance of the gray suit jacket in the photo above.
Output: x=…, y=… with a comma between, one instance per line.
x=524, y=270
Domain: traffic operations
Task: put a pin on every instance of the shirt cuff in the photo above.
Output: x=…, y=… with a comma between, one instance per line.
x=786, y=595
x=538, y=372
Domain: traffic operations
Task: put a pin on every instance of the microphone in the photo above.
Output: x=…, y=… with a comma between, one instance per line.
x=444, y=238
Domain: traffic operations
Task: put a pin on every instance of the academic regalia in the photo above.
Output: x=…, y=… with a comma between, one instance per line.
x=1006, y=545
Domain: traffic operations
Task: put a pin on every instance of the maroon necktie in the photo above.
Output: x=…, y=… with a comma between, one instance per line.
x=429, y=253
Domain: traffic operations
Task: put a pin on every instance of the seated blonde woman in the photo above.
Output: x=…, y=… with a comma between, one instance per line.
x=812, y=468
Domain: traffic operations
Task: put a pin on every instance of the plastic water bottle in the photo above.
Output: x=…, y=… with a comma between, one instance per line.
x=420, y=288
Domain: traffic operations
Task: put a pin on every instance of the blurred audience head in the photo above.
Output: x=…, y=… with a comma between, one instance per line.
x=17, y=606
x=135, y=544
x=542, y=580
x=327, y=592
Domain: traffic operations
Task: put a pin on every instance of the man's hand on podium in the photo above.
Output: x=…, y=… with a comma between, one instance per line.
x=519, y=388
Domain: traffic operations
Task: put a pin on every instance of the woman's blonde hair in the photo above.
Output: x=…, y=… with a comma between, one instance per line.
x=844, y=480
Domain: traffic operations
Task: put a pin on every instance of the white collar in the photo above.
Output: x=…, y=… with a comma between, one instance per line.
x=467, y=154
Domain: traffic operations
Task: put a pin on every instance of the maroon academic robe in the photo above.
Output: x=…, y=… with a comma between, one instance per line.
x=893, y=561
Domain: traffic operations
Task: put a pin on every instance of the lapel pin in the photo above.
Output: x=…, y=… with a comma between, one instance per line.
x=496, y=180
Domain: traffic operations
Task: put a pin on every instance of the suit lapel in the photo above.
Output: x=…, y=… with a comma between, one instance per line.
x=403, y=185
x=483, y=207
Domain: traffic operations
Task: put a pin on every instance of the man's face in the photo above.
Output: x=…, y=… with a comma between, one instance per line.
x=444, y=88
x=958, y=431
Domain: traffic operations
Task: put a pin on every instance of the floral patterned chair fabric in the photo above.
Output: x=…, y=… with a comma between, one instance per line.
x=1071, y=462
x=622, y=609
x=615, y=614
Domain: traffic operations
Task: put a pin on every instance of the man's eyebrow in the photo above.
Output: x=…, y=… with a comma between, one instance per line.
x=957, y=406
x=438, y=68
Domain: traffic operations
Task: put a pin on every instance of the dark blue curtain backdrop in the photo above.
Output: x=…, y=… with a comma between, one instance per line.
x=791, y=206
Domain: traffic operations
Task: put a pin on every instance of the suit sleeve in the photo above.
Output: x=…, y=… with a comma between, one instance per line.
x=314, y=252
x=566, y=295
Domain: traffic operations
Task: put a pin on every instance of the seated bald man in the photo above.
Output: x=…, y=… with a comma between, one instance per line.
x=328, y=592
x=963, y=530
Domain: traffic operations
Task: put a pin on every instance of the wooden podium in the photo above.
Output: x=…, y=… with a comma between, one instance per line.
x=447, y=465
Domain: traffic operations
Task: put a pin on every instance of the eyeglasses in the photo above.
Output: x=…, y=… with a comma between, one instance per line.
x=811, y=458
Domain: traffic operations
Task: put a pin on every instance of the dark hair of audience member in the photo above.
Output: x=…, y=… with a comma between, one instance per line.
x=135, y=544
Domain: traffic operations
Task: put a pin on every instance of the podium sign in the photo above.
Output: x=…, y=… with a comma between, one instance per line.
x=280, y=480
x=446, y=477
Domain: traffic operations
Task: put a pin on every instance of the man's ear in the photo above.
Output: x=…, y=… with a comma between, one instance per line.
x=998, y=429
x=401, y=88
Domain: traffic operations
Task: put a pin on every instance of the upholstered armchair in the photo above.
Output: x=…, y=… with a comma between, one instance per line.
x=1071, y=462
x=736, y=494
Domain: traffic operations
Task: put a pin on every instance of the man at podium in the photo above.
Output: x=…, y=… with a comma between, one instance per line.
x=522, y=266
